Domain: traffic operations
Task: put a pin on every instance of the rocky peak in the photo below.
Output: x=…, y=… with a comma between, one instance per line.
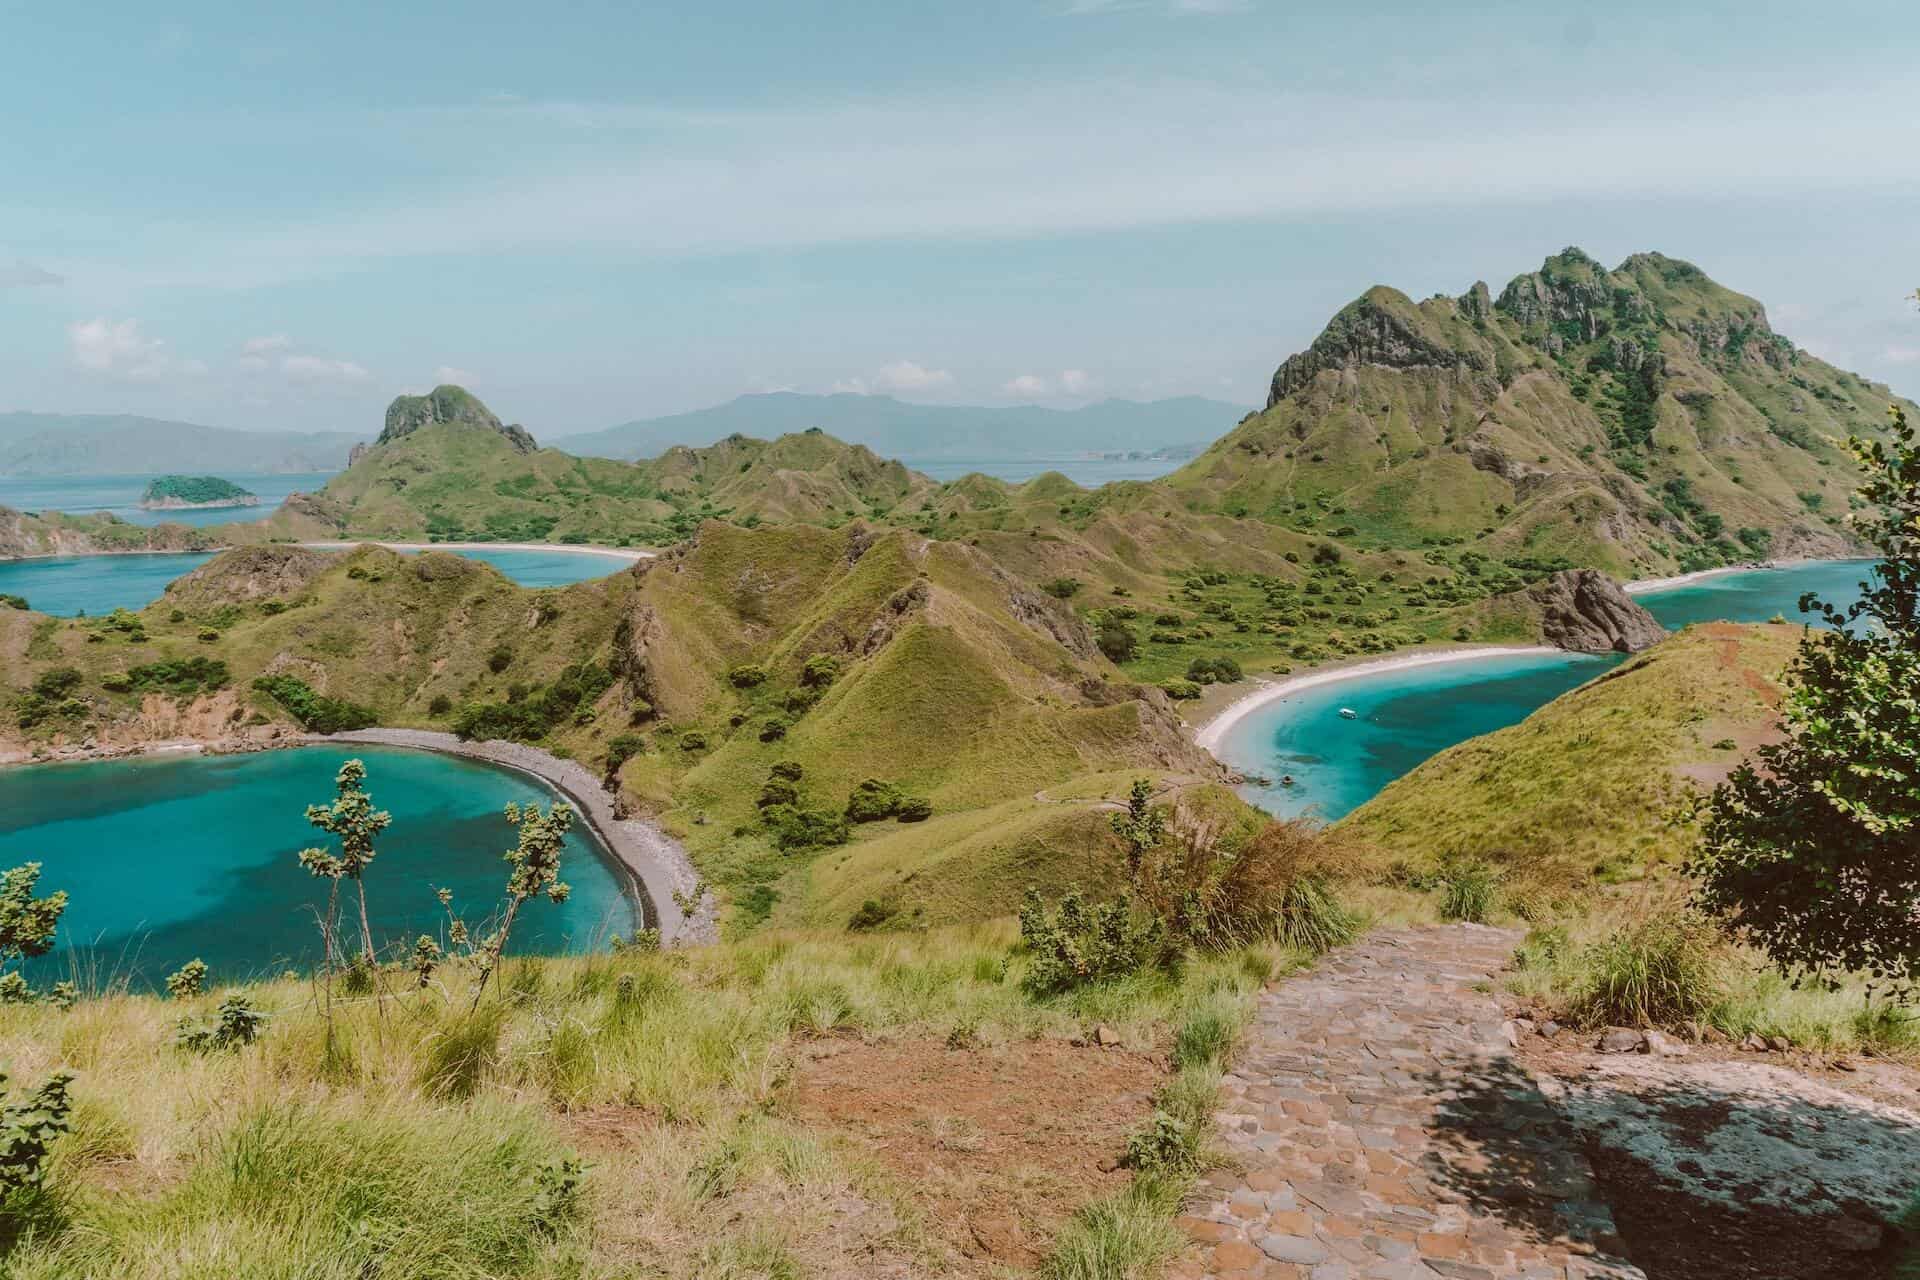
x=1381, y=327
x=449, y=404
x=1571, y=295
x=1477, y=302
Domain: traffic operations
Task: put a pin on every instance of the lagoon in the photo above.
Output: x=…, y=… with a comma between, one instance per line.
x=168, y=858
x=1403, y=717
x=120, y=496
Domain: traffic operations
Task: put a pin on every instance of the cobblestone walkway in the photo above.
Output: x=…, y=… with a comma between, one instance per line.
x=1381, y=1129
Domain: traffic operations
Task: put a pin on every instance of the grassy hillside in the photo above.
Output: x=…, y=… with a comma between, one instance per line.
x=1585, y=786
x=29, y=533
x=1638, y=420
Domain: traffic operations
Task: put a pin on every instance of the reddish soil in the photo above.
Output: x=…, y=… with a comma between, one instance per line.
x=997, y=1146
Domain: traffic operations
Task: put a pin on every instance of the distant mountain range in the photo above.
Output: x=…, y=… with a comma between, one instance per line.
x=87, y=444
x=896, y=429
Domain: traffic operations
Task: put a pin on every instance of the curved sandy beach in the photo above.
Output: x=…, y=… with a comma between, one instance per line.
x=629, y=554
x=663, y=876
x=1210, y=733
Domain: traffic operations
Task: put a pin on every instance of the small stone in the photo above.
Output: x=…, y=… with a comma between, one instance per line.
x=1693, y=1031
x=1106, y=1037
x=1753, y=1043
x=1779, y=1044
x=1842, y=1064
x=1236, y=1255
x=1622, y=1040
x=1295, y=1249
x=1855, y=1235
x=1664, y=1047
x=1549, y=1028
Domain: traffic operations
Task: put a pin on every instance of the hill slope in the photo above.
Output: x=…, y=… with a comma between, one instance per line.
x=899, y=429
x=62, y=444
x=1637, y=420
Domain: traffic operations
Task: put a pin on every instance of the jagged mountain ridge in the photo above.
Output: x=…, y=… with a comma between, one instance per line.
x=1636, y=419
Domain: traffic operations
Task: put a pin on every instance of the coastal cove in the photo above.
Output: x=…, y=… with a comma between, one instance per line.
x=170, y=856
x=1410, y=709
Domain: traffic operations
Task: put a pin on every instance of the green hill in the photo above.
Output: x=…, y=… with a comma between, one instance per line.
x=1639, y=420
x=169, y=492
x=77, y=444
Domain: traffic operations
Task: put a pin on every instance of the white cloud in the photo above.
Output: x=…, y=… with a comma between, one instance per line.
x=1075, y=382
x=901, y=375
x=119, y=349
x=318, y=369
x=448, y=373
x=266, y=345
x=1027, y=384
x=1033, y=386
x=25, y=275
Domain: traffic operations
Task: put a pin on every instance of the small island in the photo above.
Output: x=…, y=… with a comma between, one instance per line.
x=179, y=493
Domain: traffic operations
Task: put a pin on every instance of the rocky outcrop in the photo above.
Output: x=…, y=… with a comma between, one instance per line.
x=1368, y=332
x=1585, y=611
x=449, y=404
x=246, y=574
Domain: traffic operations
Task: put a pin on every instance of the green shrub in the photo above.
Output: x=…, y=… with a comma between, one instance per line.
x=1467, y=891
x=182, y=677
x=189, y=980
x=1081, y=945
x=13, y=602
x=787, y=770
x=774, y=728
x=1180, y=690
x=28, y=1128
x=1204, y=1039
x=315, y=713
x=777, y=791
x=621, y=748
x=1118, y=641
x=747, y=675
x=1163, y=1149
x=873, y=800
x=914, y=809
x=795, y=829
x=440, y=705
x=693, y=740
x=1211, y=670
x=871, y=915
x=235, y=1025
x=530, y=713
x=500, y=659
x=117, y=682
x=1663, y=970
x=1062, y=588
x=821, y=670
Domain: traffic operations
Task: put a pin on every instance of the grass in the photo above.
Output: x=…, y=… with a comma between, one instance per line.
x=419, y=1141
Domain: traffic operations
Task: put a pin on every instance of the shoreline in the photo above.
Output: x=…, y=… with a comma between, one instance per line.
x=1641, y=586
x=655, y=863
x=1208, y=735
x=632, y=555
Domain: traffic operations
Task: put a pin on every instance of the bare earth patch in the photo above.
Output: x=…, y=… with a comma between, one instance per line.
x=1722, y=1164
x=995, y=1146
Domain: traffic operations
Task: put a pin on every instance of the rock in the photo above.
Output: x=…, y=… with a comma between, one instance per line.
x=1841, y=1064
x=1549, y=1028
x=1512, y=1030
x=1622, y=1040
x=1664, y=1047
x=1585, y=611
x=1106, y=1037
x=1693, y=1031
x=1295, y=1249
x=1753, y=1043
x=1779, y=1044
x=408, y=414
x=1855, y=1235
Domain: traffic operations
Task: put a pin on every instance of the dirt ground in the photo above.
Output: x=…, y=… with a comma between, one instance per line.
x=994, y=1146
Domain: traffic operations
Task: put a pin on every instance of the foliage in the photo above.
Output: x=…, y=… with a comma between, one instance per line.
x=181, y=677
x=28, y=1128
x=747, y=675
x=1161, y=1149
x=533, y=871
x=1062, y=588
x=8, y=601
x=538, y=711
x=796, y=829
x=27, y=923
x=1813, y=849
x=315, y=712
x=1467, y=890
x=50, y=696
x=1213, y=894
x=873, y=800
x=1212, y=670
x=1657, y=972
x=236, y=1025
x=352, y=820
x=914, y=809
x=193, y=490
x=189, y=980
x=1180, y=690
x=871, y=915
x=1080, y=945
x=821, y=670
x=1118, y=641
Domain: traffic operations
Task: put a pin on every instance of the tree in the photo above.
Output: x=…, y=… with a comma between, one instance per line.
x=355, y=822
x=1814, y=853
x=535, y=870
x=1118, y=641
x=27, y=925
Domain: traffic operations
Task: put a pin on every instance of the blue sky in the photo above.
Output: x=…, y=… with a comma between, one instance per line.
x=595, y=212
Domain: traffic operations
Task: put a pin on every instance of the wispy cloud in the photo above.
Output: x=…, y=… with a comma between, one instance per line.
x=266, y=346
x=25, y=275
x=122, y=349
x=1035, y=386
x=320, y=369
x=901, y=375
x=448, y=373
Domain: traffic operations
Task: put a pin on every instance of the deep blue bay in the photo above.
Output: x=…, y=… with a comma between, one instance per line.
x=1403, y=717
x=167, y=858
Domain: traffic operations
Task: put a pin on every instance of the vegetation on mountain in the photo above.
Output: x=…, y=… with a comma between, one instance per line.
x=68, y=444
x=172, y=491
x=1813, y=846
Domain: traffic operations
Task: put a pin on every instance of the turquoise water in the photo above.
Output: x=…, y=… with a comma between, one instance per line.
x=66, y=586
x=165, y=859
x=1406, y=716
x=120, y=496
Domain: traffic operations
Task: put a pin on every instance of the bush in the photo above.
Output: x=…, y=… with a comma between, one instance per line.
x=181, y=677
x=1062, y=588
x=189, y=980
x=795, y=829
x=440, y=705
x=774, y=728
x=693, y=740
x=821, y=670
x=1210, y=670
x=1081, y=945
x=747, y=675
x=1212, y=895
x=12, y=602
x=1180, y=690
x=621, y=748
x=28, y=1128
x=530, y=713
x=236, y=1024
x=871, y=915
x=1663, y=970
x=1164, y=1149
x=500, y=659
x=1467, y=891
x=873, y=800
x=315, y=713
x=1118, y=641
x=914, y=809
x=787, y=770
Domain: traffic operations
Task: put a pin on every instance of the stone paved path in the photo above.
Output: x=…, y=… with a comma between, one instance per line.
x=1381, y=1129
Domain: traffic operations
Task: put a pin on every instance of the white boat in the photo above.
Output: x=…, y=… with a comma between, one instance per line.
x=1348, y=713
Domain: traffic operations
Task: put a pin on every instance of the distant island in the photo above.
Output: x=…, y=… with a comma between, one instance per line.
x=179, y=493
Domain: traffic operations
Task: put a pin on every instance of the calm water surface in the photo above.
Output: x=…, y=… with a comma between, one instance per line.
x=1406, y=716
x=165, y=859
x=120, y=496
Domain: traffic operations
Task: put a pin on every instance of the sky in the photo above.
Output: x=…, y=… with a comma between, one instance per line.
x=283, y=216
